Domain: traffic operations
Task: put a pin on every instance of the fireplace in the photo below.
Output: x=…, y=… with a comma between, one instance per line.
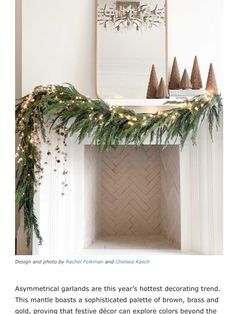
x=132, y=198
x=151, y=200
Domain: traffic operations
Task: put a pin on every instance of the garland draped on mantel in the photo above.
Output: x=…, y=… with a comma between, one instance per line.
x=68, y=112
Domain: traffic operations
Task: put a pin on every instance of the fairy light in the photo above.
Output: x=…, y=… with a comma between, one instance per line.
x=19, y=160
x=165, y=115
x=208, y=96
x=101, y=117
x=196, y=108
x=189, y=105
x=121, y=115
x=130, y=123
x=173, y=117
x=25, y=105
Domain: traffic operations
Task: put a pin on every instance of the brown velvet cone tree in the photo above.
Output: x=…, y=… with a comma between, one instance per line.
x=153, y=84
x=196, y=79
x=211, y=85
x=185, y=81
x=175, y=76
x=162, y=91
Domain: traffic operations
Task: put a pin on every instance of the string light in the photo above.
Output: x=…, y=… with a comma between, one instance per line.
x=208, y=96
x=25, y=106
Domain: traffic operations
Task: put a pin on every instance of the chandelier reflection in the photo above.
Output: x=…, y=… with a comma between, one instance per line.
x=130, y=15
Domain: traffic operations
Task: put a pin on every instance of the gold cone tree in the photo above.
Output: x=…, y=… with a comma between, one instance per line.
x=211, y=85
x=196, y=79
x=162, y=91
x=153, y=84
x=174, y=82
x=185, y=81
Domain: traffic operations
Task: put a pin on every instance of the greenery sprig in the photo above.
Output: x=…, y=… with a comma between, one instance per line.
x=67, y=111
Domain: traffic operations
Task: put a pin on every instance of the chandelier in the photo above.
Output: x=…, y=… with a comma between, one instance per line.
x=128, y=15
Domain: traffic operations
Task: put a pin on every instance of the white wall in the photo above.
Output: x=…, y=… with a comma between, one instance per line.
x=59, y=40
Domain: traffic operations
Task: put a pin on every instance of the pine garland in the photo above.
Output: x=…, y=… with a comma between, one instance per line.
x=69, y=112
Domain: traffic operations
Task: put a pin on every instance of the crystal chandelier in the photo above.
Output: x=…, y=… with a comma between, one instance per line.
x=128, y=15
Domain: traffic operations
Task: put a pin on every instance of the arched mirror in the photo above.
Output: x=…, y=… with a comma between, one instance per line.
x=131, y=37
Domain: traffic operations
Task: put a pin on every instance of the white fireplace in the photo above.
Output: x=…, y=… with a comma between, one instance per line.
x=149, y=200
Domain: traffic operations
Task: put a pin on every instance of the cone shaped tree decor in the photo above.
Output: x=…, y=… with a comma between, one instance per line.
x=153, y=84
x=211, y=85
x=196, y=79
x=185, y=81
x=175, y=76
x=162, y=90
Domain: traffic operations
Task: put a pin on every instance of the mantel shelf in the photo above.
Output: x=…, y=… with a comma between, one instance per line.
x=145, y=105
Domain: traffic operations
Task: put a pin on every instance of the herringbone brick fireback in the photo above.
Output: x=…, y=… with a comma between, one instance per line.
x=130, y=191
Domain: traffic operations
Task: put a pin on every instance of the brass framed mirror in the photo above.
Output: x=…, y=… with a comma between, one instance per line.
x=131, y=37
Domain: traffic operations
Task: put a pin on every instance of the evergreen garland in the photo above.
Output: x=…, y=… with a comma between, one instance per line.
x=67, y=111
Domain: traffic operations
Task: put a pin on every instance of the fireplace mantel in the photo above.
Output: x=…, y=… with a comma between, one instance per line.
x=145, y=105
x=62, y=218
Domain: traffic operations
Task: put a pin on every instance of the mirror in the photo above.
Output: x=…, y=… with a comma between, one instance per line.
x=131, y=37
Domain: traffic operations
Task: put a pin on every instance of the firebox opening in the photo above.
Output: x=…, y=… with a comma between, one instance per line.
x=132, y=198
